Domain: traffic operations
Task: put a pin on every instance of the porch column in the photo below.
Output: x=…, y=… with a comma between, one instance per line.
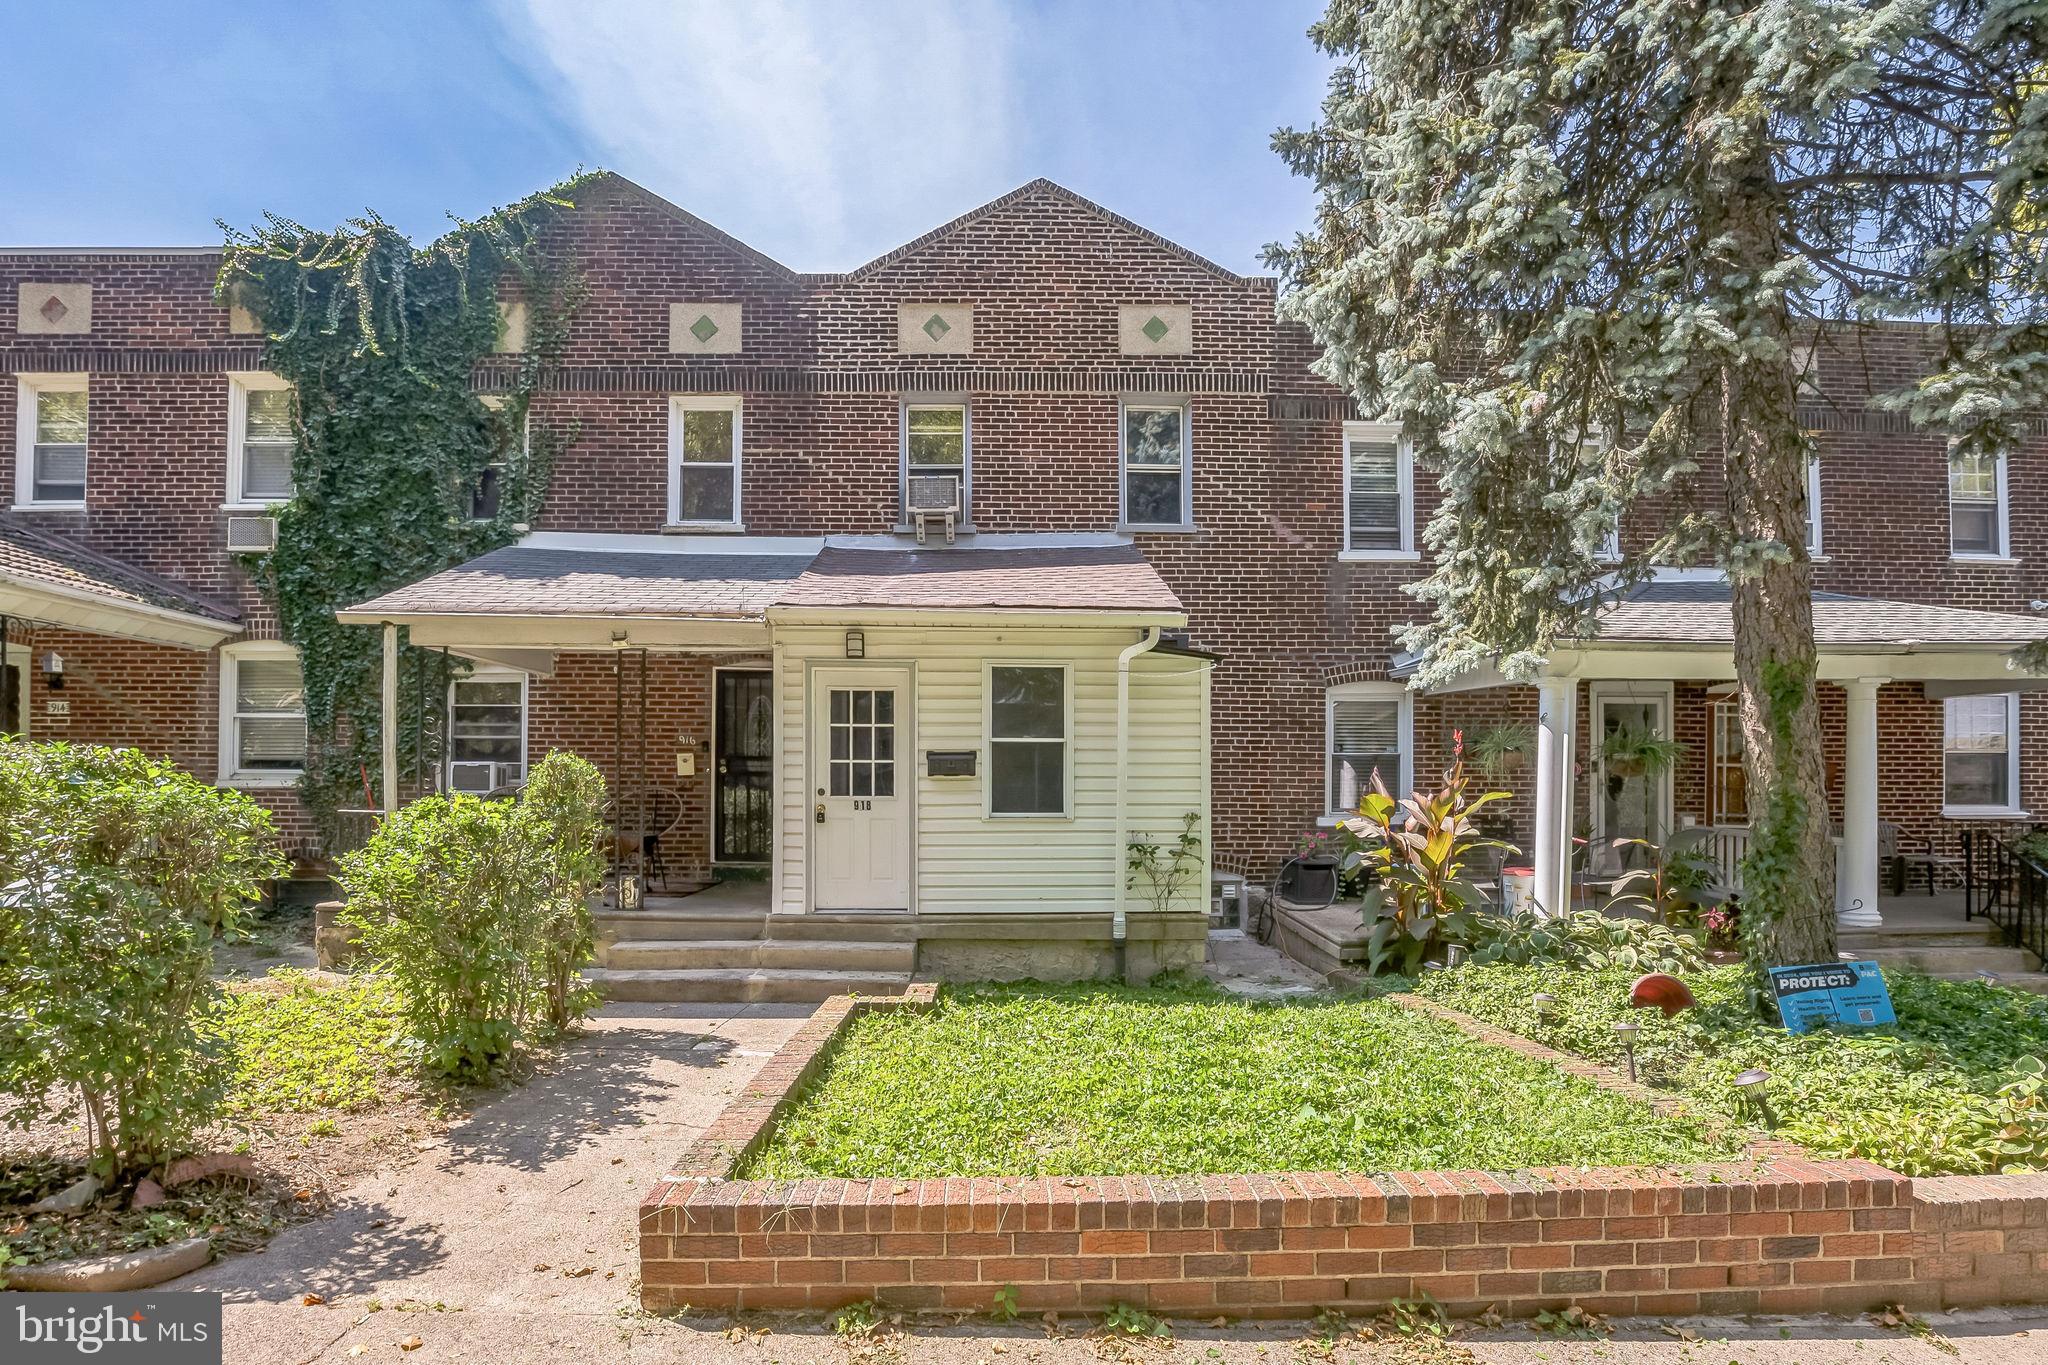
x=1558, y=700
x=388, y=721
x=1856, y=872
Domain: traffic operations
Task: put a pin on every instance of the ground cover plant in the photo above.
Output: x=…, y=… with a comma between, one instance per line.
x=1955, y=1088
x=1180, y=1078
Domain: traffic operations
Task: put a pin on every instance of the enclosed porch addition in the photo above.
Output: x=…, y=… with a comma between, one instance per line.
x=877, y=759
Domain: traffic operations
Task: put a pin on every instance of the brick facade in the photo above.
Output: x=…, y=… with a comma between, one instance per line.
x=822, y=380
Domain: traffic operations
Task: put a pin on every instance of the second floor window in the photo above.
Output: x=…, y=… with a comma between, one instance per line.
x=487, y=494
x=52, y=439
x=935, y=445
x=1976, y=505
x=704, y=461
x=260, y=440
x=1155, y=465
x=1379, y=492
x=1813, y=506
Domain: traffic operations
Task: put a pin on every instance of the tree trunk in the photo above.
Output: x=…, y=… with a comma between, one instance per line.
x=1789, y=876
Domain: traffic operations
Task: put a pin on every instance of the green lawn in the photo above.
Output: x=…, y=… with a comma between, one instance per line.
x=1921, y=1098
x=1103, y=1080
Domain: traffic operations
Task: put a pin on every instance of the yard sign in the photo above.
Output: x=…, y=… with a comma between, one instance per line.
x=1848, y=994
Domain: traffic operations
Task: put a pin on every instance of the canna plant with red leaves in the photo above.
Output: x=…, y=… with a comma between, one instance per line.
x=1416, y=849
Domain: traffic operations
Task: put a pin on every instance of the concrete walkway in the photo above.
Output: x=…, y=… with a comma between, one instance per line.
x=519, y=1225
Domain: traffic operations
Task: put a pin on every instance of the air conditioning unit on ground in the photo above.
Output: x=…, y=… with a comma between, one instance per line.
x=252, y=535
x=934, y=497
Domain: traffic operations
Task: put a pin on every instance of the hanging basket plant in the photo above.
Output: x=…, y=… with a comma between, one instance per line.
x=1501, y=749
x=1637, y=751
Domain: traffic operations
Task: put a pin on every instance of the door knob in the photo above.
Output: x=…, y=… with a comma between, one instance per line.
x=821, y=812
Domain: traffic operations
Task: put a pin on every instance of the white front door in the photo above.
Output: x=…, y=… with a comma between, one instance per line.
x=860, y=780
x=1631, y=799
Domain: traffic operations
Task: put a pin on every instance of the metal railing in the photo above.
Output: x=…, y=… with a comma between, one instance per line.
x=2005, y=886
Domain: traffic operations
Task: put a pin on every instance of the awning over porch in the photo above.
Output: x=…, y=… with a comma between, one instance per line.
x=1103, y=581
x=49, y=578
x=1696, y=612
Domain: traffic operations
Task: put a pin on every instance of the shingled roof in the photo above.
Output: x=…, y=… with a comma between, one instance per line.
x=1068, y=578
x=1697, y=612
x=35, y=558
x=525, y=580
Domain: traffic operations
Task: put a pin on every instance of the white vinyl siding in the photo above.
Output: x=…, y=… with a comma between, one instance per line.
x=704, y=444
x=965, y=861
x=1980, y=755
x=52, y=434
x=1379, y=493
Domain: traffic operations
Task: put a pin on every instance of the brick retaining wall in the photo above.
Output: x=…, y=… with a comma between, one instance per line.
x=1774, y=1233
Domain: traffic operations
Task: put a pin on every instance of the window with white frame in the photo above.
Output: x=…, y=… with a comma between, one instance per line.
x=704, y=461
x=1813, y=549
x=51, y=440
x=1976, y=505
x=1379, y=492
x=486, y=731
x=263, y=714
x=1368, y=728
x=260, y=440
x=935, y=445
x=1155, y=464
x=1980, y=750
x=1027, y=739
x=487, y=495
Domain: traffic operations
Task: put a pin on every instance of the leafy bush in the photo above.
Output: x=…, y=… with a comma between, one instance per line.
x=1954, y=1088
x=1417, y=850
x=298, y=1042
x=1586, y=939
x=117, y=871
x=479, y=910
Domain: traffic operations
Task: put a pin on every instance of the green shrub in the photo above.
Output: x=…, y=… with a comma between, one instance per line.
x=117, y=871
x=479, y=911
x=1955, y=1088
x=1416, y=849
x=1585, y=939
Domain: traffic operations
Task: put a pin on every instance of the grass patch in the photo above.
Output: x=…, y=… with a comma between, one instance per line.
x=1183, y=1079
x=302, y=1044
x=1921, y=1098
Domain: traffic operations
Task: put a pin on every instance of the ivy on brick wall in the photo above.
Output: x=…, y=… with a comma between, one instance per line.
x=382, y=340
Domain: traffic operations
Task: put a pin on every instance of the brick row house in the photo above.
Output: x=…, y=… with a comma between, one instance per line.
x=1168, y=588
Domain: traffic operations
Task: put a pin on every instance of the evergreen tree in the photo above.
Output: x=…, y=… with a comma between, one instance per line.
x=1572, y=247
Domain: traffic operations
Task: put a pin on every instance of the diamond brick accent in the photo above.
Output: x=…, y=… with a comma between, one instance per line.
x=936, y=327
x=1154, y=328
x=704, y=328
x=53, y=310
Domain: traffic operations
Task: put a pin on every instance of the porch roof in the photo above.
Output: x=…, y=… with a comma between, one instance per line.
x=529, y=581
x=1681, y=612
x=1080, y=578
x=48, y=577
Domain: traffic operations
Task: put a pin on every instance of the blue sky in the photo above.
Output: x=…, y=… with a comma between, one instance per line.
x=821, y=131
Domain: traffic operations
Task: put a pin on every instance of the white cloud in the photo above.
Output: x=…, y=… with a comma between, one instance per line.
x=821, y=133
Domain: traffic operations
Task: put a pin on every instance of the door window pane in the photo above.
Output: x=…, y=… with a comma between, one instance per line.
x=1027, y=740
x=861, y=742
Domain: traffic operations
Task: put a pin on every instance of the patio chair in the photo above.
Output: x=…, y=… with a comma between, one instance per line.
x=1906, y=856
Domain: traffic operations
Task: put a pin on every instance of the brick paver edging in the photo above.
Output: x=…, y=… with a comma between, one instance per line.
x=1778, y=1232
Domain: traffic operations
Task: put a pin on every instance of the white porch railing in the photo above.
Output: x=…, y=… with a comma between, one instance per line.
x=1725, y=846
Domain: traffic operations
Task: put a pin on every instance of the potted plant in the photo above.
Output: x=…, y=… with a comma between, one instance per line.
x=1500, y=749
x=1637, y=751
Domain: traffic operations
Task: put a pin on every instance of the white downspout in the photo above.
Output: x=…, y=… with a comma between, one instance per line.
x=1118, y=927
x=388, y=719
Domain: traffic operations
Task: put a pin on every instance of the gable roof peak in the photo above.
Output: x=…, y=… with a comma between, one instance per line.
x=682, y=215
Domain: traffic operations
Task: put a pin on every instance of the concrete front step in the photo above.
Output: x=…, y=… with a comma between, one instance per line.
x=817, y=954
x=1956, y=962
x=740, y=985
x=1950, y=933
x=2037, y=982
x=621, y=926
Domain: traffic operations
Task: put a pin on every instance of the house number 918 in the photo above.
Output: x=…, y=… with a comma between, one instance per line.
x=863, y=805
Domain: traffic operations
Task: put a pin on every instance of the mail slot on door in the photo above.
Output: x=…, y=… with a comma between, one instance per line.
x=949, y=762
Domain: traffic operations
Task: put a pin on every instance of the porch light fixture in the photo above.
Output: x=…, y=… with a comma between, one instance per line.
x=1626, y=1030
x=53, y=670
x=856, y=645
x=1752, y=1086
x=618, y=639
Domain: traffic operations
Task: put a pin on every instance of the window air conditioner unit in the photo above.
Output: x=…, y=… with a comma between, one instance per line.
x=934, y=497
x=252, y=535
